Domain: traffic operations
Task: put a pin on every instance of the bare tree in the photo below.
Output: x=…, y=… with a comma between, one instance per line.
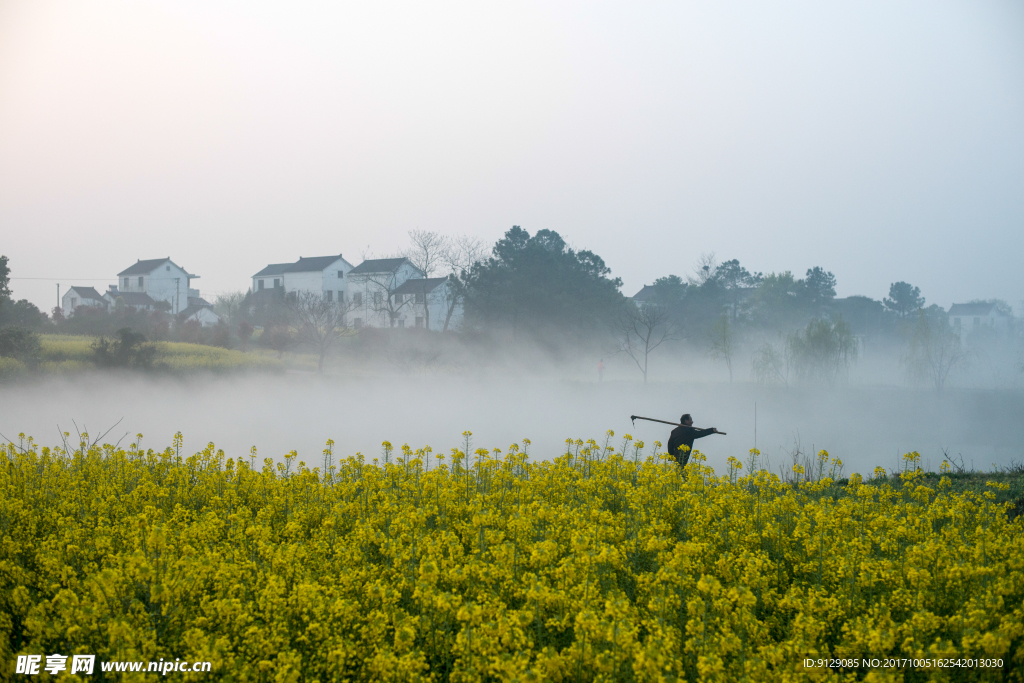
x=723, y=342
x=934, y=351
x=706, y=268
x=463, y=253
x=771, y=364
x=641, y=330
x=429, y=253
x=319, y=323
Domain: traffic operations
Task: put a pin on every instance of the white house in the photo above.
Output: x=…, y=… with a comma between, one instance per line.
x=426, y=303
x=200, y=311
x=160, y=279
x=327, y=275
x=80, y=296
x=372, y=286
x=965, y=318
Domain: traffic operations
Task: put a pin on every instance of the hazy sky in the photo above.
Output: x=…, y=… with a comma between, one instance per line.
x=881, y=140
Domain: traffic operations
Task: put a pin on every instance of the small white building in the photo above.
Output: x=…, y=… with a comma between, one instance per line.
x=160, y=279
x=201, y=311
x=372, y=286
x=965, y=318
x=77, y=297
x=427, y=303
x=327, y=275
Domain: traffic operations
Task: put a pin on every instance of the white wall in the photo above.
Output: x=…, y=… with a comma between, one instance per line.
x=67, y=308
x=167, y=283
x=370, y=284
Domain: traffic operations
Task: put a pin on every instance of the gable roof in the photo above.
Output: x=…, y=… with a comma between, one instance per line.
x=972, y=309
x=86, y=293
x=149, y=265
x=273, y=269
x=379, y=265
x=644, y=294
x=193, y=311
x=310, y=264
x=420, y=285
x=133, y=298
x=199, y=301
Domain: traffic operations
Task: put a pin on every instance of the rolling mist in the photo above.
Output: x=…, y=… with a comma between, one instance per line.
x=866, y=425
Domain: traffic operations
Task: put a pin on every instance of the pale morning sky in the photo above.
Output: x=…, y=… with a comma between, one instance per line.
x=883, y=141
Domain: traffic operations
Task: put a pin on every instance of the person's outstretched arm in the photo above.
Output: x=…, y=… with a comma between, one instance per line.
x=700, y=433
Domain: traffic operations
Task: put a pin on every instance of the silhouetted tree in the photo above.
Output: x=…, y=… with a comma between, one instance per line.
x=903, y=299
x=538, y=285
x=642, y=329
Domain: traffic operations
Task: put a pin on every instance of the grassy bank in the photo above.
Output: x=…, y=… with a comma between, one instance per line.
x=71, y=354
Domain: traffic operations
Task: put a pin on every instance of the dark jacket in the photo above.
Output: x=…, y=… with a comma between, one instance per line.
x=684, y=436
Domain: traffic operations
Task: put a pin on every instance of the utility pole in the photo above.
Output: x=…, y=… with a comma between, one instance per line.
x=58, y=295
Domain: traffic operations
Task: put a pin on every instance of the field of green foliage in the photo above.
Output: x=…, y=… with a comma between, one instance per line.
x=70, y=354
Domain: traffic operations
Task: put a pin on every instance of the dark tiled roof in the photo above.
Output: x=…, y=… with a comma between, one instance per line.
x=311, y=264
x=199, y=301
x=87, y=293
x=134, y=298
x=644, y=294
x=144, y=267
x=420, y=285
x=379, y=265
x=970, y=309
x=192, y=309
x=274, y=269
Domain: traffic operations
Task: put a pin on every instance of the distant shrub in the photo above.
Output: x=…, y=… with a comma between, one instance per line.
x=129, y=350
x=20, y=344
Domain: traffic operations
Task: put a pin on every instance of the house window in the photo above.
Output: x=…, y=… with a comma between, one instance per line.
x=341, y=274
x=377, y=298
x=168, y=268
x=419, y=321
x=140, y=281
x=398, y=298
x=419, y=298
x=277, y=282
x=357, y=322
x=357, y=299
x=401, y=323
x=261, y=284
x=126, y=283
x=330, y=295
x=341, y=296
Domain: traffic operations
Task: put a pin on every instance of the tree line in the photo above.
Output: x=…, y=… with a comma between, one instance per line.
x=538, y=289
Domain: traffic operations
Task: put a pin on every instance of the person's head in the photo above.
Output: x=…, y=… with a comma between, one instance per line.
x=686, y=420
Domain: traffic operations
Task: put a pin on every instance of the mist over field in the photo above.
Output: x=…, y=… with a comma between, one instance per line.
x=865, y=426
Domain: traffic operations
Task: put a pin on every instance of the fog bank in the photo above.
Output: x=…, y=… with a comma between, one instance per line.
x=865, y=426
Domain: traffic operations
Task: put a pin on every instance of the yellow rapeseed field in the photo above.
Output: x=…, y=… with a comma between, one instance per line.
x=65, y=354
x=604, y=564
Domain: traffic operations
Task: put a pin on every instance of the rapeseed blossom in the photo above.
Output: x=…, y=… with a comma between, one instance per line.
x=603, y=564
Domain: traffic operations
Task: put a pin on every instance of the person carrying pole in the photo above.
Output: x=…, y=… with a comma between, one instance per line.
x=684, y=434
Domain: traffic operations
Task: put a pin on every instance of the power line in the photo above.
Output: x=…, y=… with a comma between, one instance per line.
x=54, y=279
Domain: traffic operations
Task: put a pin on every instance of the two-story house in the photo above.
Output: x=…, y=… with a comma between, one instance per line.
x=373, y=287
x=327, y=275
x=159, y=279
x=428, y=303
x=81, y=296
x=965, y=318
